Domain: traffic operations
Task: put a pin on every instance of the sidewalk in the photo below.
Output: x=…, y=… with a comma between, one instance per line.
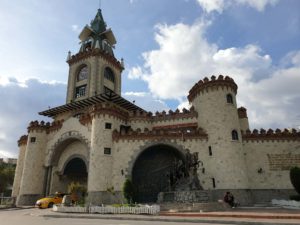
x=241, y=216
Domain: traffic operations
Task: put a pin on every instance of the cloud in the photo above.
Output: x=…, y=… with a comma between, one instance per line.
x=220, y=5
x=184, y=56
x=135, y=73
x=76, y=28
x=23, y=101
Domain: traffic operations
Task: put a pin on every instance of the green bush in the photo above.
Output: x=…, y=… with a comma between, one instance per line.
x=78, y=192
x=295, y=197
x=295, y=178
x=129, y=191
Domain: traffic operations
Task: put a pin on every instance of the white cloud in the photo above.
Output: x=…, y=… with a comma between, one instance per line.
x=23, y=101
x=76, y=28
x=135, y=73
x=212, y=5
x=184, y=56
x=220, y=5
x=138, y=94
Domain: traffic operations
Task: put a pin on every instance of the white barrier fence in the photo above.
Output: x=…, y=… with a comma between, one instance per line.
x=286, y=203
x=145, y=209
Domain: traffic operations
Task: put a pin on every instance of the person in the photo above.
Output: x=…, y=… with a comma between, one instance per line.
x=229, y=199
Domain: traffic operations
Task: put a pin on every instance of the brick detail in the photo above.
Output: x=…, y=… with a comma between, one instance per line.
x=280, y=162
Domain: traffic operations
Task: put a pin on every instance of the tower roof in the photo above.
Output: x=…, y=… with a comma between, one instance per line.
x=98, y=25
x=98, y=32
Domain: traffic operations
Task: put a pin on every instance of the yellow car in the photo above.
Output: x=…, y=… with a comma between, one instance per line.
x=49, y=201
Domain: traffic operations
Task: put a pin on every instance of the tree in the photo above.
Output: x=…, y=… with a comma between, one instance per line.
x=295, y=178
x=129, y=191
x=7, y=173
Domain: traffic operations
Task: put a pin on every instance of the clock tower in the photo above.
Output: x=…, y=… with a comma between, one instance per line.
x=94, y=69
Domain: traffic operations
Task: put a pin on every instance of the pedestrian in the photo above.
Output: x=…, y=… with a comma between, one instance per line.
x=229, y=199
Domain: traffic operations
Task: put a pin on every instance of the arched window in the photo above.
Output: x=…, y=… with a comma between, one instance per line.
x=234, y=135
x=229, y=98
x=83, y=73
x=109, y=74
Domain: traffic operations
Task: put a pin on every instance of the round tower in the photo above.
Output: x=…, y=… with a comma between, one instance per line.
x=33, y=177
x=215, y=102
x=22, y=143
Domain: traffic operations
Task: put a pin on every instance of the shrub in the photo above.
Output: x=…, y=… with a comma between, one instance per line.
x=129, y=191
x=77, y=191
x=295, y=178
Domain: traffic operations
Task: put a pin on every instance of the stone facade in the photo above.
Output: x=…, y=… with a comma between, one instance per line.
x=110, y=134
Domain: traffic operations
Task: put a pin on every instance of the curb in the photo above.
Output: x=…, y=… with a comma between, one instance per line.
x=249, y=216
x=179, y=220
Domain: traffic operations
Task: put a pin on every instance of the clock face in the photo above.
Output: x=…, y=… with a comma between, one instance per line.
x=83, y=73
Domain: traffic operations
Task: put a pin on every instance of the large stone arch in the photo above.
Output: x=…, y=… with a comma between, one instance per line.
x=155, y=167
x=59, y=155
x=181, y=150
x=58, y=147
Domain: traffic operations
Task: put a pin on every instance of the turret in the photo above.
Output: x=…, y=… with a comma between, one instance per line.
x=215, y=102
x=33, y=176
x=22, y=143
x=244, y=123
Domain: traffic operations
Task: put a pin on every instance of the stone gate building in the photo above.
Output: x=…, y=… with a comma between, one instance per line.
x=99, y=139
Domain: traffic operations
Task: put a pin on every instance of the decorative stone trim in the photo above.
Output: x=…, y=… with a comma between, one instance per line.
x=242, y=112
x=206, y=83
x=163, y=116
x=95, y=52
x=42, y=126
x=85, y=119
x=159, y=134
x=23, y=140
x=278, y=135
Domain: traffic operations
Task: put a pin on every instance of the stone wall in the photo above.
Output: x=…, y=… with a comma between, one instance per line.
x=268, y=163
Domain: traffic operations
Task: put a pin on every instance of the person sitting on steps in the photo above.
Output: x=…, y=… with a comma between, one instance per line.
x=229, y=199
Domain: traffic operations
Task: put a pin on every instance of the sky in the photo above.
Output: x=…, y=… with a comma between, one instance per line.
x=167, y=45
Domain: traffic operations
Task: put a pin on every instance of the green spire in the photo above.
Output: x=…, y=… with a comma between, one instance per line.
x=98, y=25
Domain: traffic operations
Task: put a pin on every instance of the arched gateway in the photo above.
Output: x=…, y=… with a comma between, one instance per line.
x=156, y=170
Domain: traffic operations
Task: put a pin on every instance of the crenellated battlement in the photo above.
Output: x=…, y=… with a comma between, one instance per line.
x=214, y=82
x=242, y=112
x=160, y=116
x=43, y=126
x=109, y=109
x=95, y=52
x=23, y=140
x=180, y=131
x=277, y=135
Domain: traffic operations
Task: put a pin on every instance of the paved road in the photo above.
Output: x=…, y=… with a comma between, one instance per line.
x=32, y=217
